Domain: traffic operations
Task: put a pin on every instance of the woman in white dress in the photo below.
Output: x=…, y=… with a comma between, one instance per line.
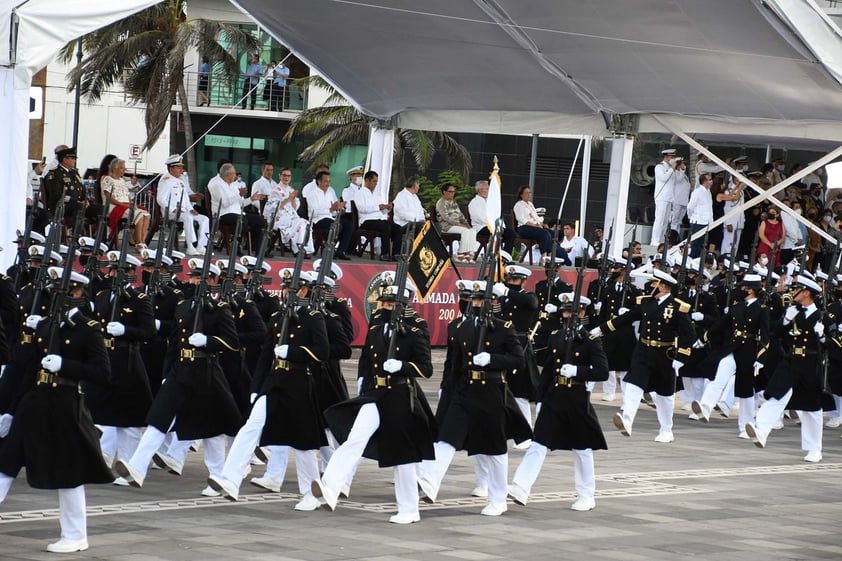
x=291, y=227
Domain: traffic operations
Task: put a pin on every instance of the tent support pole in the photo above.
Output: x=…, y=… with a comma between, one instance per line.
x=617, y=197
x=586, y=179
x=533, y=162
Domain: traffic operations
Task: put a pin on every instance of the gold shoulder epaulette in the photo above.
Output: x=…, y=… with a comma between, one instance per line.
x=507, y=324
x=221, y=304
x=314, y=312
x=414, y=329
x=370, y=327
x=640, y=299
x=141, y=295
x=93, y=323
x=683, y=306
x=176, y=291
x=5, y=277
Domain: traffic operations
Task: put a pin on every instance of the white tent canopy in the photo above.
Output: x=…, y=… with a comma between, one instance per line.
x=763, y=69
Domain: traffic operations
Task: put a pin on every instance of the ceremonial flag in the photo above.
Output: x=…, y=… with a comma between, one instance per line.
x=428, y=260
x=494, y=202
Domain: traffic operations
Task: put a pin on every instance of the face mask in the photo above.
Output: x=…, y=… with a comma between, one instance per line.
x=145, y=277
x=797, y=211
x=358, y=181
x=764, y=260
x=780, y=167
x=463, y=306
x=828, y=219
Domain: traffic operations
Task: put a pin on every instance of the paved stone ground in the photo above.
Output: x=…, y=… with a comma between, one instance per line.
x=706, y=496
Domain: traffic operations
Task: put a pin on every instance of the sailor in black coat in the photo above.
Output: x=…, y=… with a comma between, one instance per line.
x=194, y=401
x=52, y=434
x=567, y=420
x=478, y=419
x=666, y=337
x=388, y=422
x=705, y=311
x=285, y=410
x=797, y=381
x=741, y=350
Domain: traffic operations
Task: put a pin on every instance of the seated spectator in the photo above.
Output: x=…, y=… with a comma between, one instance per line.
x=578, y=249
x=373, y=214
x=116, y=192
x=479, y=217
x=323, y=207
x=532, y=227
x=355, y=183
x=407, y=208
x=231, y=199
x=452, y=221
x=291, y=228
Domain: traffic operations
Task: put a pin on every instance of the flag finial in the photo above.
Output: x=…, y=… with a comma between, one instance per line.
x=496, y=168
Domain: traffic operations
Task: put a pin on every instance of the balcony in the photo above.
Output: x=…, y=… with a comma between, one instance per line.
x=221, y=97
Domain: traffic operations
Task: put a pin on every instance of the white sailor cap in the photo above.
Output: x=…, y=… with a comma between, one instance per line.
x=239, y=268
x=739, y=159
x=668, y=152
x=808, y=283
x=250, y=262
x=664, y=277
x=86, y=244
x=196, y=264
x=335, y=270
x=114, y=258
x=174, y=160
x=55, y=274
x=506, y=257
x=751, y=280
x=387, y=277
x=150, y=255
x=743, y=265
x=390, y=292
x=37, y=236
x=806, y=274
x=517, y=271
x=356, y=170
x=329, y=282
x=477, y=288
x=177, y=255
x=37, y=251
x=463, y=286
x=821, y=275
x=619, y=262
x=566, y=299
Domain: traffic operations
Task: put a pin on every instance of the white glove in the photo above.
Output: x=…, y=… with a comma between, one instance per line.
x=482, y=359
x=597, y=307
x=569, y=370
x=33, y=320
x=676, y=365
x=757, y=366
x=51, y=363
x=359, y=386
x=252, y=398
x=115, y=329
x=698, y=344
x=198, y=339
x=157, y=325
x=697, y=316
x=281, y=351
x=499, y=289
x=595, y=332
x=839, y=327
x=622, y=311
x=725, y=309
x=5, y=424
x=819, y=329
x=392, y=365
x=550, y=308
x=790, y=313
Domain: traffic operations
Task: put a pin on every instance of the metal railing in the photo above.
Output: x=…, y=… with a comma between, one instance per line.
x=219, y=92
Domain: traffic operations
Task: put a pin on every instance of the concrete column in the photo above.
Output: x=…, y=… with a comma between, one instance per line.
x=617, y=197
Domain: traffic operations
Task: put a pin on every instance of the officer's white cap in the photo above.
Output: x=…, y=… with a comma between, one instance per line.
x=506, y=257
x=356, y=170
x=150, y=255
x=390, y=291
x=664, y=277
x=517, y=271
x=250, y=262
x=477, y=288
x=668, y=152
x=38, y=251
x=114, y=257
x=174, y=160
x=568, y=297
x=56, y=273
x=335, y=270
x=821, y=275
x=177, y=255
x=739, y=159
x=807, y=283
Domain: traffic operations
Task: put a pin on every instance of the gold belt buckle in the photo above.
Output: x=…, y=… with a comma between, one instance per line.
x=188, y=353
x=281, y=364
x=381, y=381
x=477, y=376
x=45, y=377
x=109, y=343
x=799, y=351
x=26, y=338
x=562, y=381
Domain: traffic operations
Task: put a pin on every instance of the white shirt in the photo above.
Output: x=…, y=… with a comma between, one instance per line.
x=577, y=247
x=700, y=207
x=262, y=186
x=368, y=206
x=477, y=213
x=33, y=185
x=171, y=190
x=525, y=212
x=226, y=193
x=318, y=203
x=305, y=191
x=407, y=208
x=681, y=188
x=737, y=220
x=792, y=231
x=348, y=195
x=664, y=182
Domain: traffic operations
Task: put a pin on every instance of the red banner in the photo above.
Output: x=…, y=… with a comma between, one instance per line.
x=442, y=305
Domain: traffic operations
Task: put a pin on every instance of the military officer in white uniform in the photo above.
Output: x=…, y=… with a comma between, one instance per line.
x=665, y=175
x=172, y=189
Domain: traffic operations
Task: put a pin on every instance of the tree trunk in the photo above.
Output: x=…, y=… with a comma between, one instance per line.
x=188, y=139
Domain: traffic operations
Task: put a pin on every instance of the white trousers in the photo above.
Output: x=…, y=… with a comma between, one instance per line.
x=481, y=471
x=728, y=238
x=247, y=439
x=198, y=221
x=664, y=405
x=584, y=477
x=119, y=442
x=523, y=404
x=347, y=456
x=837, y=400
x=693, y=388
x=152, y=439
x=715, y=390
x=662, y=222
x=71, y=504
x=811, y=422
x=678, y=212
x=467, y=239
x=497, y=467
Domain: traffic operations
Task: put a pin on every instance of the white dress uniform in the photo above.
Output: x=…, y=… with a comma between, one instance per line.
x=734, y=223
x=172, y=190
x=664, y=195
x=681, y=198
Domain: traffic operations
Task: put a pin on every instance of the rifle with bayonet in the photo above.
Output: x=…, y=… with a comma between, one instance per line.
x=825, y=362
x=401, y=272
x=664, y=266
x=256, y=279
x=120, y=278
x=572, y=327
x=752, y=258
x=317, y=292
x=51, y=242
x=488, y=263
x=92, y=266
x=166, y=235
x=226, y=291
x=291, y=297
x=603, y=264
x=627, y=276
x=200, y=298
x=23, y=247
x=682, y=270
x=729, y=277
x=700, y=273
x=486, y=319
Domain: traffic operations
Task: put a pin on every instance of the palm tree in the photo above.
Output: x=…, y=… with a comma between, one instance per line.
x=146, y=52
x=337, y=124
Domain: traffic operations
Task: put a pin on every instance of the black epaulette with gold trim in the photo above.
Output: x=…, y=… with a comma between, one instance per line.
x=640, y=299
x=141, y=295
x=315, y=312
x=508, y=324
x=221, y=304
x=683, y=306
x=93, y=323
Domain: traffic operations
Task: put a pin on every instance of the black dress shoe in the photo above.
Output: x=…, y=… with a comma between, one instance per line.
x=387, y=258
x=341, y=256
